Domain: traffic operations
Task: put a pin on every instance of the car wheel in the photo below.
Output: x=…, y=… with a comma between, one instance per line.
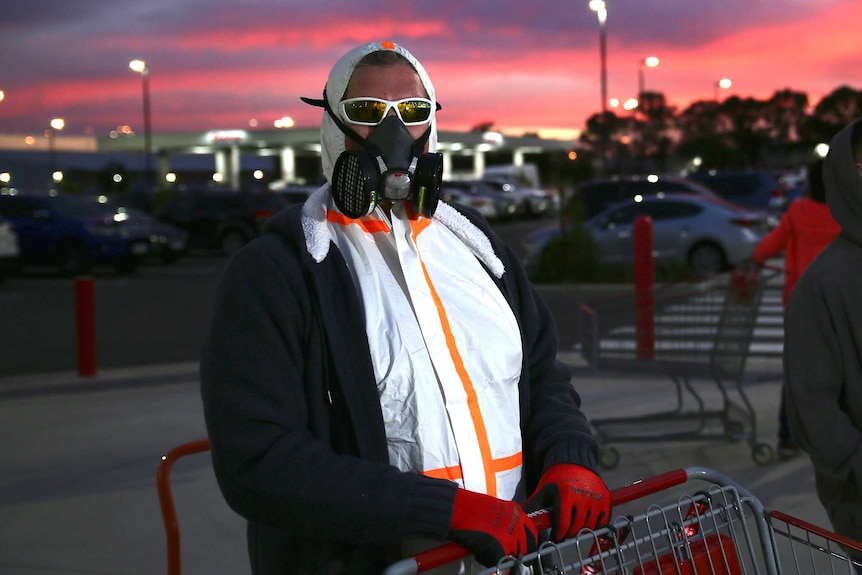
x=73, y=260
x=707, y=258
x=232, y=241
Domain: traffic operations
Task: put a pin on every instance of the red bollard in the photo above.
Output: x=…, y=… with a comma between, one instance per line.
x=85, y=316
x=644, y=287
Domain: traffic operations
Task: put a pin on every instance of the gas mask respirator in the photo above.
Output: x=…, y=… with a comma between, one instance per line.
x=390, y=166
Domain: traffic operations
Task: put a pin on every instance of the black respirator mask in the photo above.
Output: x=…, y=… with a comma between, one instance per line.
x=390, y=166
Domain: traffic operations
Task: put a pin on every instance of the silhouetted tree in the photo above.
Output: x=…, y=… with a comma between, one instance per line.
x=653, y=127
x=602, y=130
x=785, y=113
x=736, y=133
x=833, y=112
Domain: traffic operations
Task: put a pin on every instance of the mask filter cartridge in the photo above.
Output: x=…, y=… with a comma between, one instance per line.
x=355, y=179
x=390, y=166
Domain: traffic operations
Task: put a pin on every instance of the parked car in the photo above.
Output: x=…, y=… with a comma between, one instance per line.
x=537, y=203
x=796, y=181
x=72, y=233
x=600, y=193
x=220, y=219
x=167, y=242
x=704, y=233
x=477, y=194
x=760, y=190
x=9, y=250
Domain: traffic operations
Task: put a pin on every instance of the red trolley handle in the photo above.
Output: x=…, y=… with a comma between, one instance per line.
x=166, y=499
x=450, y=552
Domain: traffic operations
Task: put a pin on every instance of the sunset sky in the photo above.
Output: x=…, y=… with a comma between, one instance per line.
x=523, y=65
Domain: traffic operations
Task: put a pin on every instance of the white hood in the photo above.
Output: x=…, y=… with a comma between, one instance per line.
x=317, y=235
x=331, y=138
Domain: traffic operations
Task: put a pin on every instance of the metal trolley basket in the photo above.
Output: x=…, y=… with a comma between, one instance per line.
x=719, y=530
x=703, y=330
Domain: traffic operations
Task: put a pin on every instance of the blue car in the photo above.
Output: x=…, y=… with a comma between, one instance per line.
x=167, y=243
x=71, y=233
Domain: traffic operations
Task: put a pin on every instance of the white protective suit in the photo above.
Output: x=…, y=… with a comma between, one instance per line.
x=446, y=347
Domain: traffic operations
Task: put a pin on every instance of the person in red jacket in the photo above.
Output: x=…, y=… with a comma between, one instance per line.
x=804, y=230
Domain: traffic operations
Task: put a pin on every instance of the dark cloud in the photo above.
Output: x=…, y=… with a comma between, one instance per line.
x=681, y=23
x=47, y=13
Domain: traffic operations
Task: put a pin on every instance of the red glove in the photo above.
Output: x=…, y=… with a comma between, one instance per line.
x=491, y=528
x=576, y=497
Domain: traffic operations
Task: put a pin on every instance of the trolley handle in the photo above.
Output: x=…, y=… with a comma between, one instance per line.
x=850, y=544
x=449, y=552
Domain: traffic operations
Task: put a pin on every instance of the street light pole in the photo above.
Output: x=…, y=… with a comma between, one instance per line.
x=141, y=67
x=724, y=84
x=648, y=62
x=601, y=10
x=57, y=124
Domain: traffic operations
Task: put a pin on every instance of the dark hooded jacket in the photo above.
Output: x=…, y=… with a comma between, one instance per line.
x=823, y=348
x=294, y=419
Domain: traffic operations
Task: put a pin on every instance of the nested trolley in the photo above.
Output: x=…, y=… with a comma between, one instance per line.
x=701, y=330
x=721, y=529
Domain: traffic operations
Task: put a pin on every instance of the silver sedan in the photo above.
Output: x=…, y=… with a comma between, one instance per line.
x=704, y=233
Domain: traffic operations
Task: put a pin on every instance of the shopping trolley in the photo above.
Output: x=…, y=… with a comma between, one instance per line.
x=703, y=330
x=721, y=529
x=166, y=499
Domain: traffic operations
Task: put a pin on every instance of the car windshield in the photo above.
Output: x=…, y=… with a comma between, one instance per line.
x=719, y=201
x=76, y=207
x=112, y=206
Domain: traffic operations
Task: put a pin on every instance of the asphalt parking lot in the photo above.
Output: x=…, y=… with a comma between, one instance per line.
x=77, y=486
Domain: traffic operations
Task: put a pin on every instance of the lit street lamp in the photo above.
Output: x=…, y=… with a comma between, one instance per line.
x=722, y=84
x=57, y=124
x=648, y=62
x=2, y=95
x=141, y=67
x=601, y=10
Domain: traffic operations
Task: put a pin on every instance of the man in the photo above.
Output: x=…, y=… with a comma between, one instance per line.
x=379, y=375
x=823, y=345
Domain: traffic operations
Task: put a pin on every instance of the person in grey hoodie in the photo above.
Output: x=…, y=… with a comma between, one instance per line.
x=823, y=345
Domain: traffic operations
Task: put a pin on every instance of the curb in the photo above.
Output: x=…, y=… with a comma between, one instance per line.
x=28, y=385
x=53, y=383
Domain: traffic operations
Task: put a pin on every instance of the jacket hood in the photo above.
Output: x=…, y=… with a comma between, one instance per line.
x=843, y=183
x=331, y=138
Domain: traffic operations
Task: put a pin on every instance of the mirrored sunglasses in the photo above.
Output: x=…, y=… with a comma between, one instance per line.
x=371, y=111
